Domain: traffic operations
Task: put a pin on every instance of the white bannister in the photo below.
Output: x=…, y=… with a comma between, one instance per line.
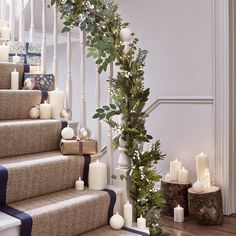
x=109, y=130
x=21, y=21
x=3, y=9
x=12, y=18
x=55, y=47
x=43, y=49
x=82, y=79
x=32, y=30
x=98, y=99
x=68, y=80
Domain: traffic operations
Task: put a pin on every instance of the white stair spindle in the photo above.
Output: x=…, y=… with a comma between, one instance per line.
x=109, y=131
x=69, y=80
x=32, y=30
x=12, y=18
x=3, y=9
x=43, y=49
x=98, y=99
x=21, y=21
x=55, y=47
x=82, y=79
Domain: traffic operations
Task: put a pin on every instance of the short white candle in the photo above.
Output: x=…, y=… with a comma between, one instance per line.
x=97, y=175
x=45, y=110
x=16, y=59
x=183, y=175
x=15, y=80
x=207, y=178
x=4, y=53
x=175, y=166
x=56, y=98
x=116, y=221
x=128, y=214
x=168, y=177
x=79, y=184
x=202, y=163
x=5, y=32
x=179, y=214
x=198, y=187
x=141, y=222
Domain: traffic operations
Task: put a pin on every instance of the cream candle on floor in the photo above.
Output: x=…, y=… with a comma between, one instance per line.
x=128, y=214
x=15, y=80
x=4, y=53
x=56, y=98
x=179, y=214
x=79, y=184
x=16, y=59
x=97, y=175
x=141, y=222
x=202, y=163
x=45, y=110
x=5, y=32
x=175, y=166
x=183, y=175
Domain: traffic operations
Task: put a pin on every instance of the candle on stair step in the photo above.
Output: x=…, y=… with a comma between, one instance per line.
x=56, y=98
x=79, y=184
x=16, y=59
x=4, y=53
x=45, y=110
x=141, y=222
x=97, y=175
x=5, y=32
x=128, y=214
x=15, y=80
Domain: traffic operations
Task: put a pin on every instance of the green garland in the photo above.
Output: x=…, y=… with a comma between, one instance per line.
x=100, y=19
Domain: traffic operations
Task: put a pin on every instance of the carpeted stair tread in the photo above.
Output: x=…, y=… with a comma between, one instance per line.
x=66, y=213
x=19, y=137
x=16, y=104
x=5, y=74
x=41, y=173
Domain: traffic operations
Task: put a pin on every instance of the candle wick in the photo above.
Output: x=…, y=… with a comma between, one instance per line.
x=117, y=213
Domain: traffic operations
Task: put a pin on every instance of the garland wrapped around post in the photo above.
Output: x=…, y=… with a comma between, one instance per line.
x=100, y=19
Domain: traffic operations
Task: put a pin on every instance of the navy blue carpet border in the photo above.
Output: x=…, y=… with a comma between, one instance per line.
x=63, y=124
x=135, y=231
x=87, y=160
x=3, y=184
x=112, y=196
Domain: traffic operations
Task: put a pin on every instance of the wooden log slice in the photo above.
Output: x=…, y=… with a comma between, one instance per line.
x=206, y=208
x=175, y=194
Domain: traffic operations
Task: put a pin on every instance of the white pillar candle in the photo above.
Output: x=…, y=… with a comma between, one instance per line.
x=207, y=178
x=141, y=222
x=198, y=187
x=202, y=163
x=79, y=184
x=175, y=166
x=5, y=32
x=179, y=214
x=15, y=80
x=128, y=214
x=45, y=110
x=97, y=175
x=56, y=98
x=4, y=53
x=168, y=177
x=16, y=59
x=183, y=175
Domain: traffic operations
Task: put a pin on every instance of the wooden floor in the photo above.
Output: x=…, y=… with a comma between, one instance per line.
x=189, y=228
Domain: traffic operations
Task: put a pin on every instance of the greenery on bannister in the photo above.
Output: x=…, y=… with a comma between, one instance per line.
x=100, y=19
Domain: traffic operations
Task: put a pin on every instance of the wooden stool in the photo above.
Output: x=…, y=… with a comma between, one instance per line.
x=175, y=194
x=206, y=208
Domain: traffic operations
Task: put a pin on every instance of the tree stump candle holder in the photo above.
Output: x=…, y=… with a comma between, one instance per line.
x=175, y=194
x=206, y=208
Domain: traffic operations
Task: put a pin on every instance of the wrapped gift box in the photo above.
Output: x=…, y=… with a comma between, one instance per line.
x=41, y=81
x=81, y=147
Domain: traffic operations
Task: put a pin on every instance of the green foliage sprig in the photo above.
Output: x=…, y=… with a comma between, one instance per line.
x=102, y=22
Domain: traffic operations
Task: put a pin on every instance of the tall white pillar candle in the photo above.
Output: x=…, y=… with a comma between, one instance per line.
x=15, y=80
x=4, y=53
x=179, y=214
x=141, y=222
x=183, y=175
x=128, y=214
x=79, y=184
x=202, y=163
x=97, y=175
x=45, y=110
x=5, y=32
x=56, y=98
x=175, y=166
x=16, y=59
